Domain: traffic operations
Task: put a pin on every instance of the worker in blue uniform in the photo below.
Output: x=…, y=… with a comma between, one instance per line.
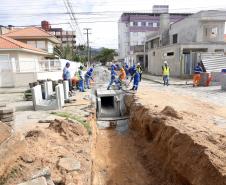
x=88, y=77
x=113, y=76
x=136, y=79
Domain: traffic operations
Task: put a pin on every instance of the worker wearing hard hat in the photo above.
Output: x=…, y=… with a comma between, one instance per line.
x=165, y=73
x=81, y=79
x=122, y=76
x=139, y=70
x=197, y=75
x=113, y=76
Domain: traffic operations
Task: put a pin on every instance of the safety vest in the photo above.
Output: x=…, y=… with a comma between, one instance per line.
x=139, y=70
x=165, y=70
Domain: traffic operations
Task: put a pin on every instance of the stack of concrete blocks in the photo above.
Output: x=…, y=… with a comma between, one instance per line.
x=66, y=90
x=40, y=104
x=223, y=82
x=48, y=90
x=7, y=115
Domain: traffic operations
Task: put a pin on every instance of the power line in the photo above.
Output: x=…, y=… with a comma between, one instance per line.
x=72, y=16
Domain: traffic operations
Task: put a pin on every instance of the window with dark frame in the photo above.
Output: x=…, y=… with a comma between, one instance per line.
x=170, y=53
x=174, y=38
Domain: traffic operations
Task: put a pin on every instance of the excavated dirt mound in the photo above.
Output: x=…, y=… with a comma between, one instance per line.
x=187, y=153
x=34, y=134
x=170, y=111
x=66, y=129
x=42, y=148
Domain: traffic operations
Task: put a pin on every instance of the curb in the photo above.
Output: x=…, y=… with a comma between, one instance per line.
x=160, y=82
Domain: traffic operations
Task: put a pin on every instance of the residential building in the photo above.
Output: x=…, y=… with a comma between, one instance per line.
x=66, y=37
x=183, y=42
x=16, y=60
x=36, y=37
x=133, y=27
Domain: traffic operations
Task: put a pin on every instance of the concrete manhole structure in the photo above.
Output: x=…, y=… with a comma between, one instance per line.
x=111, y=110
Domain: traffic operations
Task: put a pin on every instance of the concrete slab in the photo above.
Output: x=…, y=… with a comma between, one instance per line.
x=104, y=92
x=6, y=110
x=38, y=181
x=66, y=90
x=122, y=126
x=103, y=124
x=69, y=164
x=60, y=96
x=48, y=89
x=36, y=96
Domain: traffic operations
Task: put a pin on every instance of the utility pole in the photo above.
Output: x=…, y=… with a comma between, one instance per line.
x=88, y=49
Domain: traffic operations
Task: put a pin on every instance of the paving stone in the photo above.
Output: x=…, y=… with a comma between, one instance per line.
x=38, y=181
x=6, y=115
x=69, y=164
x=6, y=110
x=2, y=105
x=7, y=119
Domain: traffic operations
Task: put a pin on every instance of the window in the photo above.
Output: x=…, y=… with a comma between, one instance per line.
x=174, y=38
x=154, y=24
x=158, y=24
x=135, y=24
x=131, y=23
x=143, y=23
x=170, y=53
x=150, y=24
x=214, y=32
x=139, y=23
x=32, y=43
x=219, y=50
x=41, y=44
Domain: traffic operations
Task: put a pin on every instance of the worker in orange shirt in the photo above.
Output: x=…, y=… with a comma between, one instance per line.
x=197, y=75
x=122, y=76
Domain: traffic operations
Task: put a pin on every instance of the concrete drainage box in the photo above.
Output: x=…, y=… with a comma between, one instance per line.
x=110, y=104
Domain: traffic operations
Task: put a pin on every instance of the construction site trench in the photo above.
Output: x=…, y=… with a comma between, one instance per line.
x=157, y=144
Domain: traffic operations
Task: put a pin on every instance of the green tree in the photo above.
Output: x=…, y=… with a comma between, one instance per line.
x=106, y=55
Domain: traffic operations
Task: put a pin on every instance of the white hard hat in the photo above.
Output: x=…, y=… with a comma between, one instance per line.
x=165, y=62
x=138, y=64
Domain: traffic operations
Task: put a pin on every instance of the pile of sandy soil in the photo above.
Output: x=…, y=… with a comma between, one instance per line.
x=186, y=148
x=43, y=147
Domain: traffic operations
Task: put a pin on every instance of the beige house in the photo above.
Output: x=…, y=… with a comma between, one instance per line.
x=21, y=63
x=36, y=37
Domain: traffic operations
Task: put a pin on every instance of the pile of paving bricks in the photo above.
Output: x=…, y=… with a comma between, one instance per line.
x=7, y=114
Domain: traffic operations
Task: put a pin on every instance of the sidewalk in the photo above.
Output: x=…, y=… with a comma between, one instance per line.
x=172, y=81
x=13, y=90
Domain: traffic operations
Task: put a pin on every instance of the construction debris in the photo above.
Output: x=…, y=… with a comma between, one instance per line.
x=38, y=181
x=7, y=115
x=69, y=164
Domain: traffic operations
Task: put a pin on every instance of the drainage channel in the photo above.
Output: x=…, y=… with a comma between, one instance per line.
x=111, y=111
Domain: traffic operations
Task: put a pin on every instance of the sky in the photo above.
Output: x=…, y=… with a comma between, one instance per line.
x=100, y=15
